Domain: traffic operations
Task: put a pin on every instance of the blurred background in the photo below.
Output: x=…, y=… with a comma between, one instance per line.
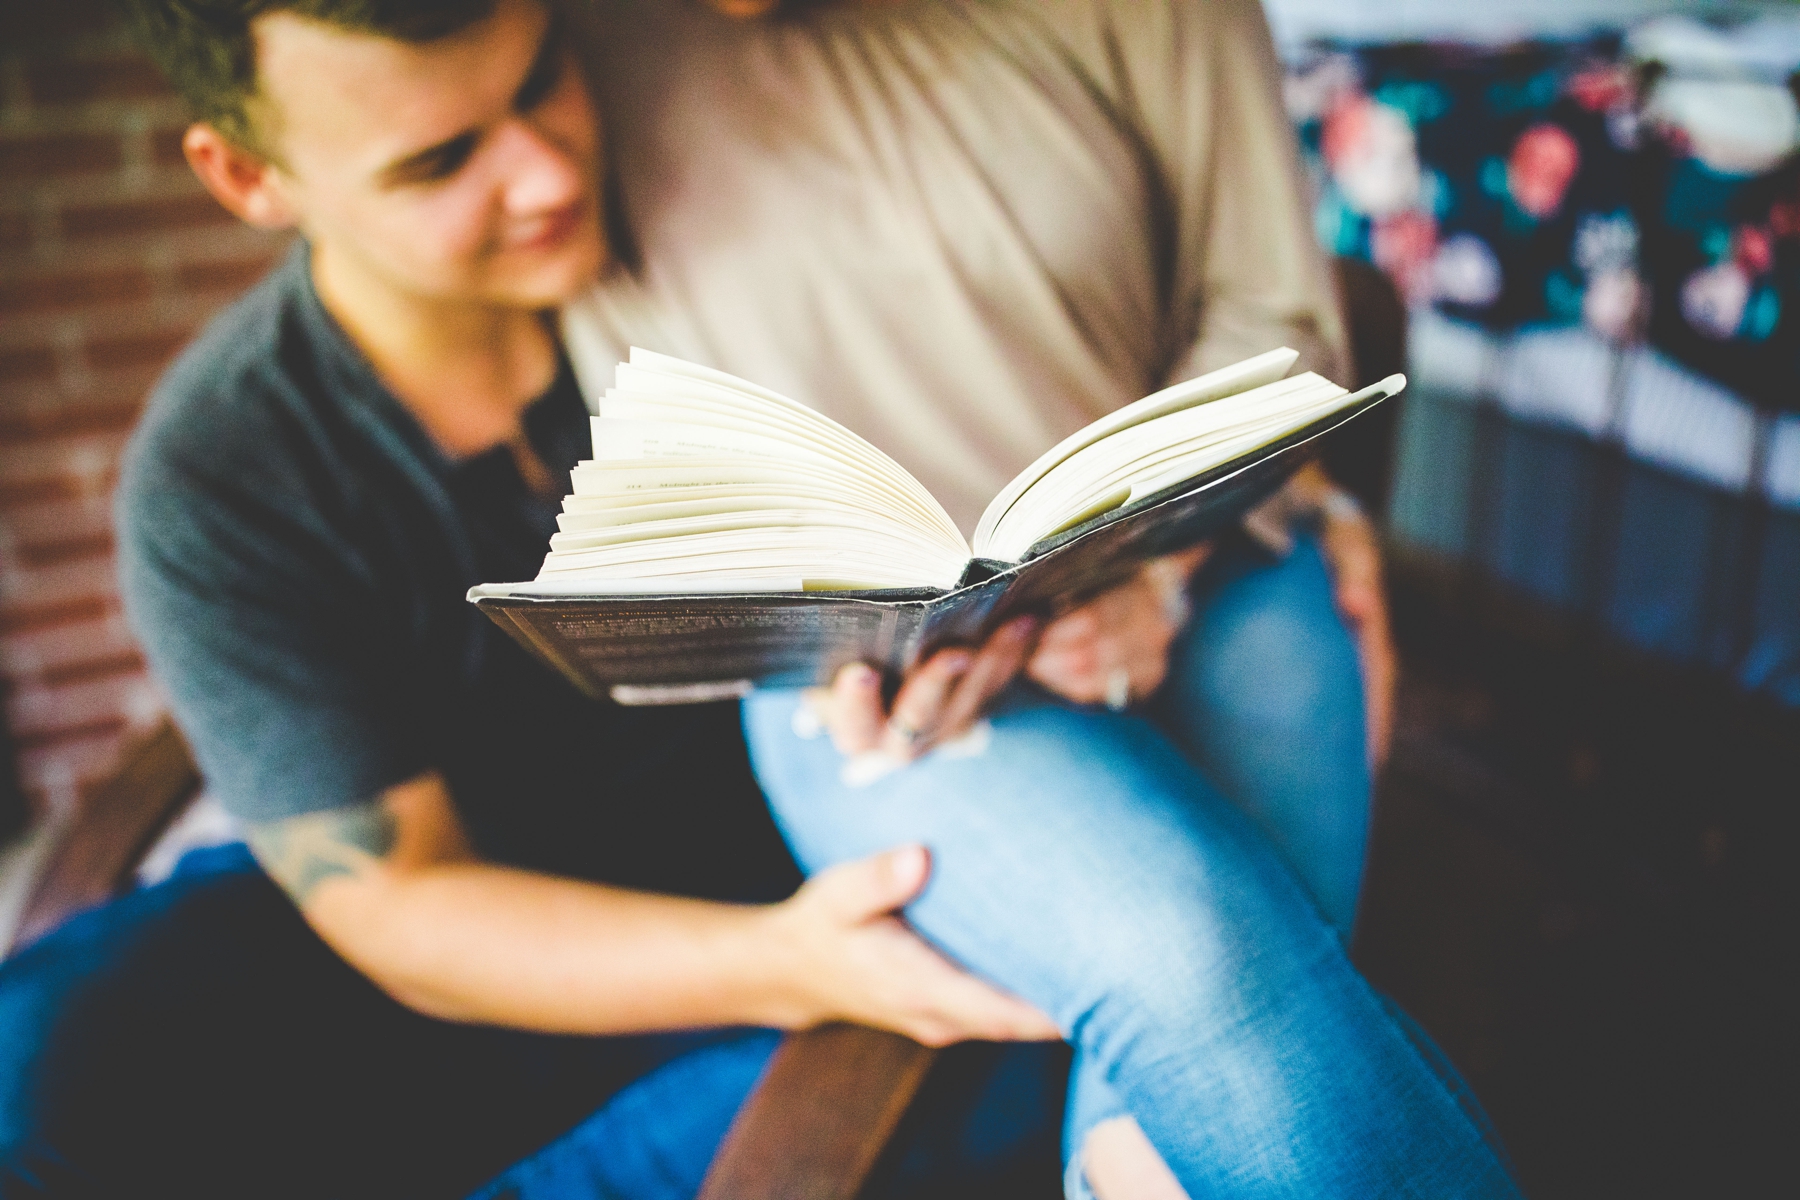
x=1574, y=223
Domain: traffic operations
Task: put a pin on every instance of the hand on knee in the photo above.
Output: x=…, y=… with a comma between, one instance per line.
x=840, y=951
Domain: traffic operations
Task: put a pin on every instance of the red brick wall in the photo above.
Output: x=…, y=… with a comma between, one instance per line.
x=111, y=256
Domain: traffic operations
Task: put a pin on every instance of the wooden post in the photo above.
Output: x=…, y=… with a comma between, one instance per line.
x=814, y=1126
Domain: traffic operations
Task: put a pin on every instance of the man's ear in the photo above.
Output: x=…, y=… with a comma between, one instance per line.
x=243, y=181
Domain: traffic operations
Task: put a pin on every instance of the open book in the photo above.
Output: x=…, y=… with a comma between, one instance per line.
x=724, y=533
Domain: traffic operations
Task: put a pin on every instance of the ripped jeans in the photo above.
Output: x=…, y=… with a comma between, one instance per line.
x=1188, y=939
x=1189, y=945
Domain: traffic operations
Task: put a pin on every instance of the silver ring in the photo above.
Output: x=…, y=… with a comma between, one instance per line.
x=1118, y=689
x=902, y=730
x=1340, y=505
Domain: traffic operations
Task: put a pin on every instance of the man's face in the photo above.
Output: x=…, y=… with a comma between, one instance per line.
x=462, y=170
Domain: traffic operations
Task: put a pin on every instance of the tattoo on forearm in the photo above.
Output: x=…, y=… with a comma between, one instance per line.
x=302, y=852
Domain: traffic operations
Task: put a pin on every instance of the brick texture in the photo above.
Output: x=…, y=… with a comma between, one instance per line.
x=111, y=257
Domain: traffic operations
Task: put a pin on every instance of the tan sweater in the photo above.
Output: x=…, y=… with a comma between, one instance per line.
x=964, y=228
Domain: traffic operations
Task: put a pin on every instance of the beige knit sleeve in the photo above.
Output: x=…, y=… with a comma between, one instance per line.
x=1199, y=81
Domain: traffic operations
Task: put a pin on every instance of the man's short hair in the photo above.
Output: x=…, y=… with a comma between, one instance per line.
x=206, y=49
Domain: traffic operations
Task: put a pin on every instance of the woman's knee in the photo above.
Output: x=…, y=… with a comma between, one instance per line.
x=1266, y=696
x=1078, y=856
x=1183, y=955
x=1267, y=647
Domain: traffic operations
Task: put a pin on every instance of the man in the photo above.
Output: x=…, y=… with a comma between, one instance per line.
x=383, y=422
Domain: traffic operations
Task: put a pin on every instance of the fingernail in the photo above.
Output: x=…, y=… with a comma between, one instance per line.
x=862, y=675
x=861, y=770
x=1023, y=627
x=956, y=661
x=907, y=863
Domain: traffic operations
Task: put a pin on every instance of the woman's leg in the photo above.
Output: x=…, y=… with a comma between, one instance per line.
x=1265, y=696
x=1080, y=861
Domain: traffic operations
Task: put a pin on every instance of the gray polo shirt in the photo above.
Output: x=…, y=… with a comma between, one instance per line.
x=294, y=553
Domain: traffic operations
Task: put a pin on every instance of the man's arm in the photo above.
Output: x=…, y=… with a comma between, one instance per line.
x=393, y=887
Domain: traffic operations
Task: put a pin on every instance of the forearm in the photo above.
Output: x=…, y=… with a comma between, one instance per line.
x=468, y=941
x=394, y=886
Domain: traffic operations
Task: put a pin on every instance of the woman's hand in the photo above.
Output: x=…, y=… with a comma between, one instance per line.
x=938, y=702
x=1115, y=648
x=842, y=953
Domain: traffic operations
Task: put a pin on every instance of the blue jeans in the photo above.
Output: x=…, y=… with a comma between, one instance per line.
x=1083, y=862
x=1212, y=1000
x=1265, y=697
x=197, y=1039
x=195, y=1032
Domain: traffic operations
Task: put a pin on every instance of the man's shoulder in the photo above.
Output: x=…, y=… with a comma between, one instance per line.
x=222, y=406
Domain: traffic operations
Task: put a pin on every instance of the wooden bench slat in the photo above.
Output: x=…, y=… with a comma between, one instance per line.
x=118, y=822
x=820, y=1117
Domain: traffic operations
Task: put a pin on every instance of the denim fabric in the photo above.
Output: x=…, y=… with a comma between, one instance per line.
x=983, y=1125
x=1081, y=861
x=654, y=1139
x=1265, y=696
x=193, y=1033
x=197, y=1039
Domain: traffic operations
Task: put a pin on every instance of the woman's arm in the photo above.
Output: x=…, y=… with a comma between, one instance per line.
x=1352, y=549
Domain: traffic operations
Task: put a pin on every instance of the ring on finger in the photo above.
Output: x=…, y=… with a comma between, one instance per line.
x=1171, y=584
x=1118, y=689
x=903, y=729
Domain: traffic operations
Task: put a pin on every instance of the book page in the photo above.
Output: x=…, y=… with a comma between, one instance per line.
x=629, y=429
x=641, y=392
x=675, y=377
x=841, y=557
x=1214, y=385
x=700, y=481
x=898, y=544
x=703, y=483
x=696, y=502
x=618, y=485
x=1148, y=457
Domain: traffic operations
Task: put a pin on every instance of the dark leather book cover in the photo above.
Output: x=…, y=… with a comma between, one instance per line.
x=669, y=648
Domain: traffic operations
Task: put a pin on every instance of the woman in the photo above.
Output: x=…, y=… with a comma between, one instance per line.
x=964, y=231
